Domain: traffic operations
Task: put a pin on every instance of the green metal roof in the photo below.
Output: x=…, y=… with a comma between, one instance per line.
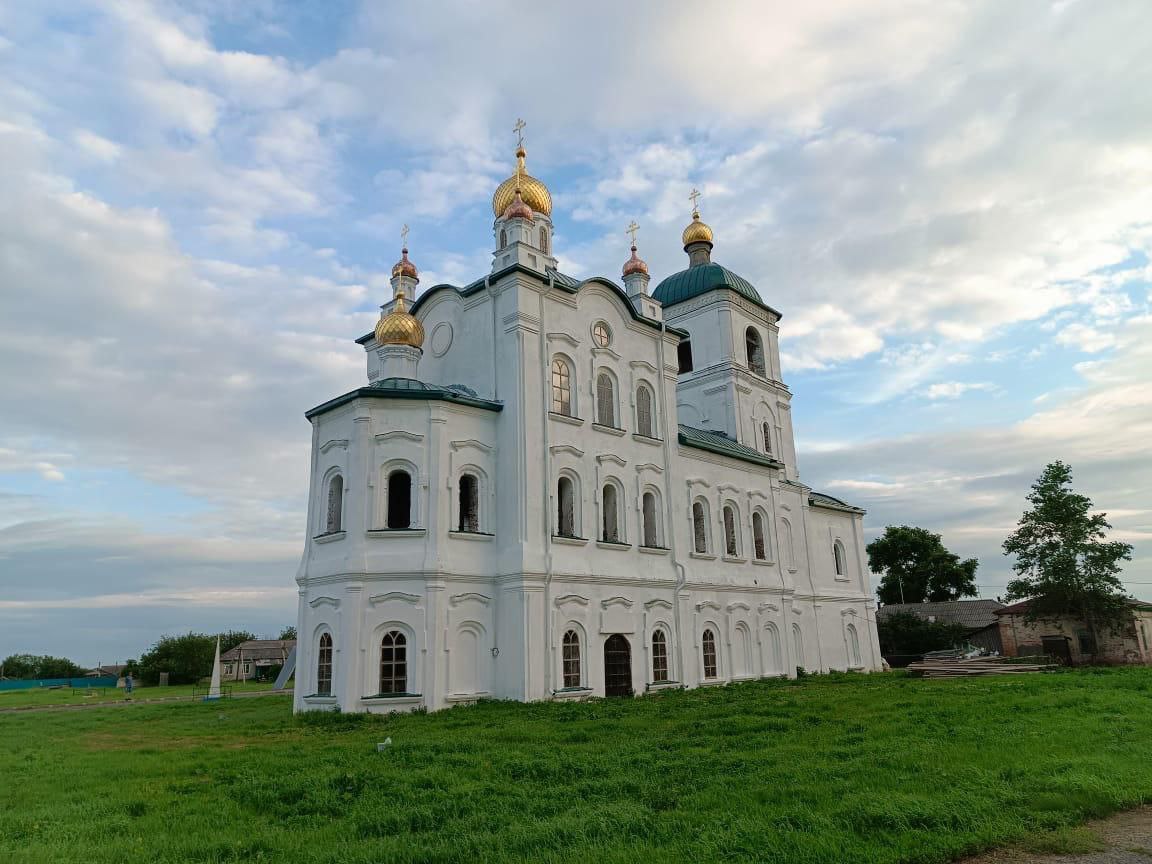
x=409, y=388
x=718, y=442
x=819, y=499
x=704, y=278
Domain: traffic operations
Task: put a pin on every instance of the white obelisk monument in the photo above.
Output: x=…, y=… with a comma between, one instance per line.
x=214, y=688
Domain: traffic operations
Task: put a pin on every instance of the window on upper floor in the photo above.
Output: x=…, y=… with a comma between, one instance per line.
x=758, y=544
x=469, y=504
x=699, y=527
x=648, y=515
x=684, y=356
x=544, y=240
x=324, y=666
x=766, y=435
x=731, y=541
x=610, y=502
x=335, y=517
x=399, y=499
x=503, y=238
x=754, y=348
x=644, y=417
x=838, y=557
x=561, y=387
x=566, y=507
x=605, y=400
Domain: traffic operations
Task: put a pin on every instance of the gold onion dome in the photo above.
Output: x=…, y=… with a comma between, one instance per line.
x=399, y=327
x=534, y=193
x=635, y=264
x=518, y=209
x=404, y=267
x=697, y=231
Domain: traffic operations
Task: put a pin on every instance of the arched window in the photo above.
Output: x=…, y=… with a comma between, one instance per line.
x=644, y=424
x=610, y=504
x=838, y=556
x=699, y=528
x=503, y=238
x=572, y=659
x=469, y=495
x=399, y=499
x=605, y=400
x=731, y=546
x=709, y=645
x=659, y=657
x=561, y=387
x=394, y=663
x=684, y=356
x=772, y=649
x=788, y=551
x=759, y=547
x=754, y=350
x=853, y=647
x=544, y=240
x=335, y=520
x=566, y=507
x=324, y=666
x=766, y=434
x=797, y=647
x=741, y=652
x=651, y=537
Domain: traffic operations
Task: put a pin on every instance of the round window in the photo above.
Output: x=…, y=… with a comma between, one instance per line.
x=601, y=335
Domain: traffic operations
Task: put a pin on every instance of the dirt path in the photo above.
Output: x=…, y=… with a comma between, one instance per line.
x=1125, y=838
x=120, y=703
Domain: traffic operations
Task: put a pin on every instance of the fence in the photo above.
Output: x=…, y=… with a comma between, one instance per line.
x=75, y=683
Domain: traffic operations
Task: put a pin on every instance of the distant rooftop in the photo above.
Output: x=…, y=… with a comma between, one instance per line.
x=973, y=614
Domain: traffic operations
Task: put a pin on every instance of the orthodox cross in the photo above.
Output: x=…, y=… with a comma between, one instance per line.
x=695, y=196
x=519, y=130
x=404, y=236
x=632, y=229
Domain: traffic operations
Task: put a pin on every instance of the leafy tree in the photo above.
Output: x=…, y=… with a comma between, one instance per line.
x=232, y=638
x=288, y=632
x=1064, y=564
x=32, y=666
x=917, y=567
x=186, y=658
x=907, y=634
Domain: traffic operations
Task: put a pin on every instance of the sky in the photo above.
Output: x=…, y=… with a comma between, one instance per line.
x=950, y=202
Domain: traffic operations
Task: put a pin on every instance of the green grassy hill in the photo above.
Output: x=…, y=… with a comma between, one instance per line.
x=834, y=769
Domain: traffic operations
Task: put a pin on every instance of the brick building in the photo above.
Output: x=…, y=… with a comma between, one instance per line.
x=1068, y=637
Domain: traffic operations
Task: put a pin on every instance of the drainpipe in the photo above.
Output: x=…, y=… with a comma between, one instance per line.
x=546, y=484
x=671, y=428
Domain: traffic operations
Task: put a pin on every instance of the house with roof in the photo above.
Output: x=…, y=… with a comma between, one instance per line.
x=1069, y=638
x=555, y=488
x=977, y=617
x=254, y=659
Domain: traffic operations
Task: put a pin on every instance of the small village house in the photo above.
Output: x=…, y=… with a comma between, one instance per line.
x=977, y=617
x=254, y=658
x=1068, y=637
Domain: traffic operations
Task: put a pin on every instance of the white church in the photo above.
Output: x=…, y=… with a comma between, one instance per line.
x=557, y=488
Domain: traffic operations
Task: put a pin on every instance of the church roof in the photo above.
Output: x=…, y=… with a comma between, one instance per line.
x=718, y=442
x=409, y=388
x=704, y=278
x=819, y=499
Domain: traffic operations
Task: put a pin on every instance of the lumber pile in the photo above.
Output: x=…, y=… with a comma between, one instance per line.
x=960, y=668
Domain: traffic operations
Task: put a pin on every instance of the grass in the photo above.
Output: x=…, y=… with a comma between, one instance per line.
x=837, y=768
x=44, y=696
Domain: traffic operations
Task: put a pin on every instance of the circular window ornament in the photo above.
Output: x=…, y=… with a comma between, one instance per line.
x=441, y=339
x=601, y=334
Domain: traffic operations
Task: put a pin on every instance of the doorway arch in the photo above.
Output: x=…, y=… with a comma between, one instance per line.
x=617, y=666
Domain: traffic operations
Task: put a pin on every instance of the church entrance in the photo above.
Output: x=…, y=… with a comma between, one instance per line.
x=617, y=666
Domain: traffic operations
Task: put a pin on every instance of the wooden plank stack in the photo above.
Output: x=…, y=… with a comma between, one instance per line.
x=959, y=668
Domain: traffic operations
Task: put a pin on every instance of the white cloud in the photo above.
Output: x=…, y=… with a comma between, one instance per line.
x=956, y=389
x=96, y=146
x=1085, y=338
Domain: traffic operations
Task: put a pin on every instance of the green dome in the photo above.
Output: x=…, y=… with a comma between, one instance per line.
x=701, y=279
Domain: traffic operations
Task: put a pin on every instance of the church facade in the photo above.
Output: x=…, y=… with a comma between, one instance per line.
x=555, y=488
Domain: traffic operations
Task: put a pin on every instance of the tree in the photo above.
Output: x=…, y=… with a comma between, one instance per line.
x=32, y=666
x=232, y=638
x=906, y=634
x=288, y=632
x=186, y=658
x=1064, y=564
x=917, y=567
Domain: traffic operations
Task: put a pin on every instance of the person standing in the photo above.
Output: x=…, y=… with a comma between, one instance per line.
x=128, y=684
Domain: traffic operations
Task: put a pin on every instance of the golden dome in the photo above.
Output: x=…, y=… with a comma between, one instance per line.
x=405, y=267
x=634, y=264
x=518, y=209
x=697, y=231
x=534, y=193
x=399, y=327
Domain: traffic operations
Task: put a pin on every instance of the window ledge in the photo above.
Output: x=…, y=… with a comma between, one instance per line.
x=731, y=559
x=396, y=532
x=471, y=535
x=655, y=550
x=793, y=569
x=613, y=544
x=466, y=697
x=570, y=541
x=611, y=430
x=713, y=682
x=331, y=537
x=664, y=685
x=572, y=693
x=703, y=556
x=763, y=562
x=566, y=418
x=645, y=439
x=743, y=677
x=843, y=578
x=316, y=699
x=396, y=698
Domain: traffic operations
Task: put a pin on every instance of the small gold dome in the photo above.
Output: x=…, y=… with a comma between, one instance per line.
x=697, y=231
x=399, y=327
x=635, y=264
x=518, y=209
x=405, y=266
x=534, y=193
